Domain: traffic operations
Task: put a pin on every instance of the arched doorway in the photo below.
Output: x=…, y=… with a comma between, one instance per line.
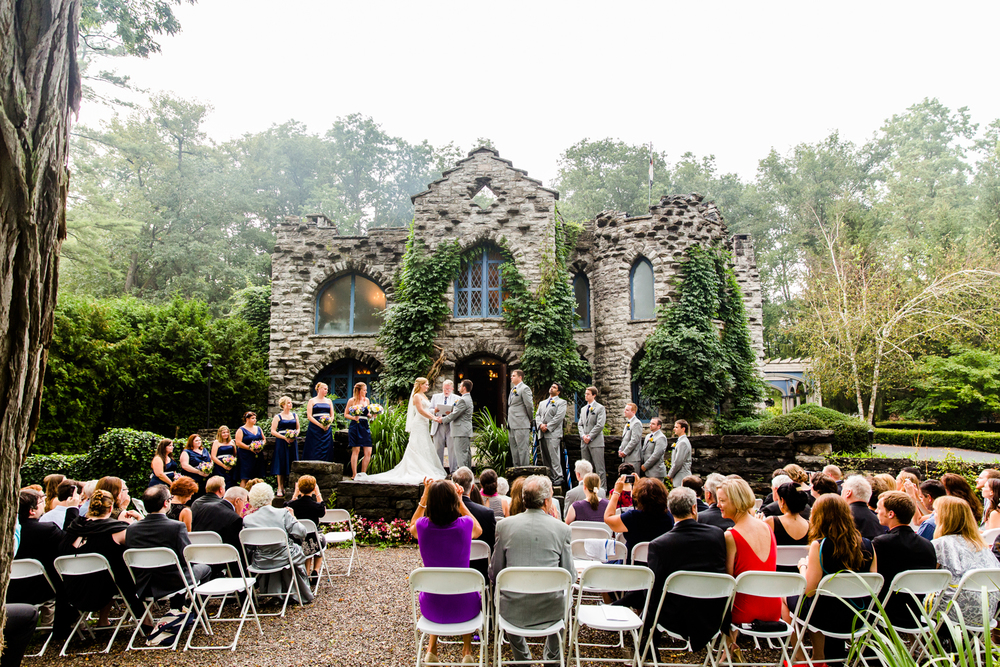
x=489, y=384
x=341, y=376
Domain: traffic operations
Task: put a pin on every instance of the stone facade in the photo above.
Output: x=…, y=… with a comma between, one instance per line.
x=520, y=221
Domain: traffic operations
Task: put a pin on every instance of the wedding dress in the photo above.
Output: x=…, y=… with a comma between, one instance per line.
x=420, y=459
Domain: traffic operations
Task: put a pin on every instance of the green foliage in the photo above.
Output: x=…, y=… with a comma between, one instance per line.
x=407, y=335
x=36, y=467
x=737, y=426
x=389, y=439
x=491, y=442
x=930, y=426
x=849, y=434
x=979, y=441
x=546, y=318
x=956, y=391
x=686, y=368
x=253, y=306
x=120, y=452
x=789, y=423
x=123, y=362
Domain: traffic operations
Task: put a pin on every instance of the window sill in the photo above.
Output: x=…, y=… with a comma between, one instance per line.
x=652, y=320
x=582, y=329
x=493, y=318
x=356, y=335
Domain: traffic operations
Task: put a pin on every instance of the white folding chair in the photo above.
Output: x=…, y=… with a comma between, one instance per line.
x=840, y=588
x=262, y=538
x=768, y=585
x=72, y=569
x=583, y=560
x=156, y=558
x=611, y=618
x=700, y=586
x=448, y=581
x=990, y=536
x=917, y=584
x=205, y=537
x=30, y=584
x=535, y=580
x=983, y=581
x=311, y=529
x=789, y=555
x=336, y=538
x=586, y=533
x=757, y=504
x=640, y=553
x=221, y=588
x=139, y=507
x=599, y=525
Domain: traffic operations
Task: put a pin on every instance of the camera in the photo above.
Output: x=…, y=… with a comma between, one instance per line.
x=630, y=479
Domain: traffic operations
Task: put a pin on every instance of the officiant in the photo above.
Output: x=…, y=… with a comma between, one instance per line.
x=441, y=404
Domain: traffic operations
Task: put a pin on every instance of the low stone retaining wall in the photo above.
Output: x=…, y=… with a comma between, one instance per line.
x=379, y=501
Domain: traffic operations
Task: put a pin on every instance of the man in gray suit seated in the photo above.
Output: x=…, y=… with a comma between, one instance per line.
x=459, y=453
x=520, y=410
x=580, y=469
x=533, y=539
x=549, y=418
x=630, y=451
x=654, y=448
x=591, y=429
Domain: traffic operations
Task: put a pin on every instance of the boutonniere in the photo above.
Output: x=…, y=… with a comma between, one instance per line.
x=514, y=390
x=628, y=426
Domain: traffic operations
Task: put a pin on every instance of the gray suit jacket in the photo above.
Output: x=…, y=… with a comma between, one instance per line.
x=552, y=416
x=654, y=448
x=438, y=399
x=460, y=418
x=592, y=420
x=680, y=463
x=631, y=443
x=532, y=539
x=520, y=407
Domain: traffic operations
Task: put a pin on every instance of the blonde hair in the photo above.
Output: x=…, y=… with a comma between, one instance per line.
x=739, y=493
x=417, y=383
x=283, y=400
x=218, y=434
x=357, y=389
x=101, y=503
x=322, y=384
x=954, y=517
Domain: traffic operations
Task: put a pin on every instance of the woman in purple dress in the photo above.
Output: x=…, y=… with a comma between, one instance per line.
x=444, y=529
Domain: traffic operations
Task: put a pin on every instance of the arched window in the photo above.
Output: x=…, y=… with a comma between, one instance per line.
x=479, y=286
x=341, y=376
x=641, y=288
x=647, y=408
x=350, y=304
x=581, y=290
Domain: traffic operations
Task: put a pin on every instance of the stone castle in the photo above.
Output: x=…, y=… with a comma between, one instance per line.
x=328, y=290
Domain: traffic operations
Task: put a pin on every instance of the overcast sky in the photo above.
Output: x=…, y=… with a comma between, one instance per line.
x=724, y=78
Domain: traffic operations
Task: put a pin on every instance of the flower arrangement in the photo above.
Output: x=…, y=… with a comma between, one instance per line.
x=256, y=446
x=206, y=467
x=289, y=433
x=380, y=532
x=358, y=411
x=228, y=460
x=325, y=420
x=375, y=409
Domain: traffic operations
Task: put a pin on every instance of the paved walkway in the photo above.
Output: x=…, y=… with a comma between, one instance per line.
x=935, y=453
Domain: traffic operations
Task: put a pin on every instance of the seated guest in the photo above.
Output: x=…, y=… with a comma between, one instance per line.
x=960, y=547
x=750, y=547
x=880, y=484
x=929, y=491
x=88, y=490
x=265, y=516
x=955, y=485
x=695, y=483
x=771, y=508
x=856, y=491
x=835, y=544
x=67, y=504
x=119, y=491
x=20, y=621
x=307, y=503
x=790, y=527
x=906, y=475
x=42, y=542
x=984, y=475
x=834, y=473
x=533, y=538
x=625, y=500
x=590, y=508
x=991, y=494
x=796, y=473
x=51, y=483
x=899, y=550
x=218, y=514
x=182, y=490
x=516, y=501
x=156, y=530
x=647, y=520
x=465, y=478
x=444, y=528
x=689, y=545
x=713, y=515
x=581, y=469
x=98, y=533
x=491, y=493
x=822, y=484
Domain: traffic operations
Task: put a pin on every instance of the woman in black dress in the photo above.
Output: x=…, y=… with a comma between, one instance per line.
x=249, y=442
x=307, y=503
x=163, y=465
x=284, y=429
x=359, y=434
x=789, y=527
x=182, y=491
x=196, y=462
x=319, y=437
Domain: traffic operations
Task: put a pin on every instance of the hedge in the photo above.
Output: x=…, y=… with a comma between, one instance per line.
x=737, y=427
x=788, y=423
x=931, y=426
x=977, y=440
x=850, y=435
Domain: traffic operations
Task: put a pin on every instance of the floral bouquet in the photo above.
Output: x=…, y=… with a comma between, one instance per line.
x=206, y=467
x=358, y=411
x=375, y=409
x=256, y=446
x=325, y=420
x=228, y=460
x=289, y=433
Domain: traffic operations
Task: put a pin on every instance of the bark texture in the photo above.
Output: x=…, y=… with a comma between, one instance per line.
x=39, y=89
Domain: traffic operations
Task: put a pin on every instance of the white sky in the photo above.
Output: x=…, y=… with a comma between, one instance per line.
x=731, y=79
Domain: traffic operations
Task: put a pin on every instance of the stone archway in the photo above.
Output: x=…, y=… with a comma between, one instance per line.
x=488, y=374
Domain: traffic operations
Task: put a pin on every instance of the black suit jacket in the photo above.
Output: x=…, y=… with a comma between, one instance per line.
x=41, y=541
x=213, y=513
x=156, y=530
x=713, y=517
x=866, y=521
x=897, y=551
x=689, y=545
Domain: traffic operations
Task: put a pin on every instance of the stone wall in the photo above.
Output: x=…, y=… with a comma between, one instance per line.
x=379, y=501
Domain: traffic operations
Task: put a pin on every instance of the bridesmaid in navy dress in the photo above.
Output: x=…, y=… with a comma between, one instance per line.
x=191, y=458
x=286, y=449
x=223, y=446
x=247, y=437
x=359, y=434
x=319, y=438
x=163, y=466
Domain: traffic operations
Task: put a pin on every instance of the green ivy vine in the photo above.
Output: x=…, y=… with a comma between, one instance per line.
x=688, y=367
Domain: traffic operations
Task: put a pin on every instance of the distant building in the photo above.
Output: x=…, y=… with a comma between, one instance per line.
x=791, y=378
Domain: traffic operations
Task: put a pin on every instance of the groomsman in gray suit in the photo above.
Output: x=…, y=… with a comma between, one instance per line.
x=549, y=419
x=654, y=448
x=441, y=433
x=680, y=463
x=630, y=450
x=591, y=428
x=459, y=453
x=520, y=409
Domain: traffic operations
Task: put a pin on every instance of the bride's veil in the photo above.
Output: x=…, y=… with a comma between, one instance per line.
x=411, y=412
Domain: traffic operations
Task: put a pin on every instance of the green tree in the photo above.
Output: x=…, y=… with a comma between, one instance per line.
x=958, y=391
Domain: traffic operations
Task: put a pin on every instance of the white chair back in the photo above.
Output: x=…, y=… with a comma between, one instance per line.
x=579, y=550
x=534, y=580
x=849, y=585
x=212, y=554
x=617, y=578
x=599, y=525
x=700, y=585
x=153, y=557
x=770, y=584
x=262, y=537
x=81, y=564
x=336, y=516
x=990, y=536
x=584, y=533
x=977, y=580
x=789, y=555
x=309, y=525
x=29, y=568
x=640, y=553
x=205, y=537
x=479, y=550
x=920, y=582
x=26, y=568
x=446, y=580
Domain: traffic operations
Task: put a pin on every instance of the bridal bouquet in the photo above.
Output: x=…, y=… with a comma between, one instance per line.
x=359, y=411
x=228, y=460
x=325, y=420
x=289, y=433
x=206, y=467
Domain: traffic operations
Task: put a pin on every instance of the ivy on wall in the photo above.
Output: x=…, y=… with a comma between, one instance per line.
x=688, y=367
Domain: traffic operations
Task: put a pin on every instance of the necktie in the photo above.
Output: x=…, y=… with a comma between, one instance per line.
x=550, y=403
x=446, y=400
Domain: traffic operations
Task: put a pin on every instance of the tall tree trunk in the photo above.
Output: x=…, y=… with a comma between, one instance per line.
x=39, y=87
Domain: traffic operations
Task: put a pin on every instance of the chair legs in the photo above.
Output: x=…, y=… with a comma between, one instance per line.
x=202, y=612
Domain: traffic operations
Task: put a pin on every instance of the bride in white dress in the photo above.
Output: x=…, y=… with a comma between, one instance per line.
x=420, y=459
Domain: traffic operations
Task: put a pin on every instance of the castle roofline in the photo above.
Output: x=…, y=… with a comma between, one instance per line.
x=494, y=154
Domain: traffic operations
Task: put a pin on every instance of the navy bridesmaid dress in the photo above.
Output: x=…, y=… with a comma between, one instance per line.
x=248, y=460
x=195, y=459
x=232, y=475
x=319, y=443
x=286, y=452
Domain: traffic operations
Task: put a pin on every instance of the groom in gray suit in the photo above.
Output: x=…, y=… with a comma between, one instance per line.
x=549, y=419
x=459, y=452
x=520, y=410
x=591, y=429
